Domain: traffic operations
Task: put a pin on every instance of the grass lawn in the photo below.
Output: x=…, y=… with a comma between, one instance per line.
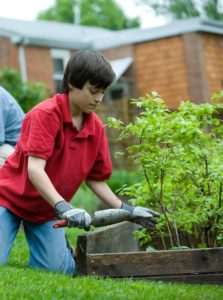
x=18, y=282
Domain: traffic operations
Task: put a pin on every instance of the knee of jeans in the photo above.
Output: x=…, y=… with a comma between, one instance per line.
x=65, y=265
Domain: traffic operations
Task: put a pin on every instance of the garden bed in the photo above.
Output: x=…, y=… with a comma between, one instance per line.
x=112, y=252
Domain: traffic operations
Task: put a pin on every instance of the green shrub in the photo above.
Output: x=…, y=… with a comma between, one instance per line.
x=86, y=199
x=122, y=178
x=180, y=154
x=28, y=94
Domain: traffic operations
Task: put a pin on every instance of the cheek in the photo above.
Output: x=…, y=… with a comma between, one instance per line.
x=88, y=97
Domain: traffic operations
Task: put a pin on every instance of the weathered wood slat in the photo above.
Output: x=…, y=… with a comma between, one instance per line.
x=156, y=263
x=112, y=252
x=109, y=239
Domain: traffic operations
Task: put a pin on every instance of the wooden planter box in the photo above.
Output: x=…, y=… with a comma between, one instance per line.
x=112, y=252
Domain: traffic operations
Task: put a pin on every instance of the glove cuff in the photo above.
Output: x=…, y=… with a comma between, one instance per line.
x=61, y=207
x=127, y=207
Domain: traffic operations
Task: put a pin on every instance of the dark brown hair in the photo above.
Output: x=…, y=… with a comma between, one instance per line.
x=87, y=65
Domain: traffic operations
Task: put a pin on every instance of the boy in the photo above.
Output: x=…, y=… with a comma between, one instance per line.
x=62, y=143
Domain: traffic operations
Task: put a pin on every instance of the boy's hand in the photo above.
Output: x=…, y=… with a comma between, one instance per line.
x=142, y=215
x=75, y=217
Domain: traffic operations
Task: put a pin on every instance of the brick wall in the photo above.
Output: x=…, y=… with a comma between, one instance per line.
x=160, y=66
x=196, y=72
x=39, y=66
x=213, y=52
x=8, y=54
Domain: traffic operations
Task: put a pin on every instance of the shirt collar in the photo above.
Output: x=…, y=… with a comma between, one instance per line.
x=65, y=109
x=89, y=125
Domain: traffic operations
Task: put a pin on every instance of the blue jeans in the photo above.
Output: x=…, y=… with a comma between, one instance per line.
x=47, y=246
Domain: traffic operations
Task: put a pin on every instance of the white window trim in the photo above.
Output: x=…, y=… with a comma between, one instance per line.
x=61, y=54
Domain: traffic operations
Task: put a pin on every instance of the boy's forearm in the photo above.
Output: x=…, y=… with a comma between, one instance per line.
x=41, y=181
x=103, y=191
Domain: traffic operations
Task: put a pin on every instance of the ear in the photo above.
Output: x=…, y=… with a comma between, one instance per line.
x=71, y=87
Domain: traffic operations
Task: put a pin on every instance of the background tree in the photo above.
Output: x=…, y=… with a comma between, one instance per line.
x=28, y=94
x=100, y=13
x=182, y=9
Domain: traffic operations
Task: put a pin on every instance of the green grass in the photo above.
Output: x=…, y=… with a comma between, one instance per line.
x=19, y=282
x=85, y=198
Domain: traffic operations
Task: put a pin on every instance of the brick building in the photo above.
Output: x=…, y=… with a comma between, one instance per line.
x=181, y=60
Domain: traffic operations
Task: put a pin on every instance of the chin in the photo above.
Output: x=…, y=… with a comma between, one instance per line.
x=88, y=112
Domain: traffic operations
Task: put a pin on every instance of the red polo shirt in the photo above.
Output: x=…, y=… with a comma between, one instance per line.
x=71, y=156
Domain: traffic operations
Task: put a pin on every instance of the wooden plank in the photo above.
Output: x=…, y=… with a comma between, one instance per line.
x=109, y=239
x=81, y=256
x=161, y=263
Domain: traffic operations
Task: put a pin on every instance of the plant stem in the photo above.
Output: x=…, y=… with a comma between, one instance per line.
x=207, y=237
x=200, y=187
x=161, y=201
x=162, y=239
x=176, y=232
x=196, y=241
x=218, y=217
x=207, y=174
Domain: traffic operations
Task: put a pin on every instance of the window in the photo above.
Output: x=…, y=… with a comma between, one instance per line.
x=117, y=90
x=60, y=58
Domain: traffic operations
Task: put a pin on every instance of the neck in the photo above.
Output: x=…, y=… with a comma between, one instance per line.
x=75, y=111
x=78, y=121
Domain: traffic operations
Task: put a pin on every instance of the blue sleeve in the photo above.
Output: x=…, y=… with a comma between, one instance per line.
x=2, y=120
x=11, y=117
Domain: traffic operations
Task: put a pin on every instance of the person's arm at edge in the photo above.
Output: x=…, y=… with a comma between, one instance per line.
x=103, y=191
x=41, y=181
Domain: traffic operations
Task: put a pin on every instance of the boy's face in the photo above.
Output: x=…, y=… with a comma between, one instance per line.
x=86, y=99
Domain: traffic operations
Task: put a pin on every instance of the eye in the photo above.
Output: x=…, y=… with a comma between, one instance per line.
x=93, y=92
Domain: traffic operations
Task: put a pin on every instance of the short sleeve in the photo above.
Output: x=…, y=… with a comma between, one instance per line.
x=38, y=134
x=102, y=168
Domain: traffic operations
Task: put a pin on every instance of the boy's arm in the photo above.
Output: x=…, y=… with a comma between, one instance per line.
x=141, y=215
x=103, y=191
x=62, y=209
x=41, y=181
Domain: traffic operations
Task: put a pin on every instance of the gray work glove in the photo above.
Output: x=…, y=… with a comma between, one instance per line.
x=76, y=217
x=143, y=216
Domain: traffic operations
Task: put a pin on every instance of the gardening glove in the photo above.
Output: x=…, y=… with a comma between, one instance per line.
x=146, y=217
x=75, y=217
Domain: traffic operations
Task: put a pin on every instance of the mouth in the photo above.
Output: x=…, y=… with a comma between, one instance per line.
x=93, y=106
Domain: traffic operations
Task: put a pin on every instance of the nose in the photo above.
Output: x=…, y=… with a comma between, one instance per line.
x=99, y=97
